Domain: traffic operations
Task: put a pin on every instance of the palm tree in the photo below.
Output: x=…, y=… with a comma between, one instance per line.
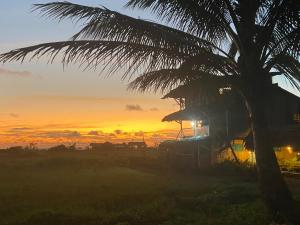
x=241, y=43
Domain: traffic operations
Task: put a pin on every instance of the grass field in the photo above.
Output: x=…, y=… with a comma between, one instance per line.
x=85, y=188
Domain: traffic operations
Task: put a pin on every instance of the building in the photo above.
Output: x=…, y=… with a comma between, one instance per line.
x=220, y=122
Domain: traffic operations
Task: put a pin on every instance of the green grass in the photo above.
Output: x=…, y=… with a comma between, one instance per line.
x=84, y=188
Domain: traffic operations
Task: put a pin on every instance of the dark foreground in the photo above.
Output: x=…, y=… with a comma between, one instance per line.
x=86, y=188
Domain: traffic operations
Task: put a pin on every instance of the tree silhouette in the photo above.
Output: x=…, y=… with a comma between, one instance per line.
x=239, y=43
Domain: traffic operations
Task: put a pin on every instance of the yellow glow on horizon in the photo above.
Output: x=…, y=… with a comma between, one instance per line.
x=53, y=120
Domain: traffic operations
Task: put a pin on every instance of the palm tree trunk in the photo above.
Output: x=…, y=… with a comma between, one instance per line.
x=273, y=187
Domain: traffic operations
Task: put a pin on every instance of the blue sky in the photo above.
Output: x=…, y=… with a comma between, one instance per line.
x=21, y=27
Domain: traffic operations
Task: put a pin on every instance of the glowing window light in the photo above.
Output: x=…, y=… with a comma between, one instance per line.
x=193, y=123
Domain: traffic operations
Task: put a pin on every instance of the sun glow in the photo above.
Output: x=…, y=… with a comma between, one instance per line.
x=49, y=121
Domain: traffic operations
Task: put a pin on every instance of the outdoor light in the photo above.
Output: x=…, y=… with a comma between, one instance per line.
x=193, y=123
x=290, y=149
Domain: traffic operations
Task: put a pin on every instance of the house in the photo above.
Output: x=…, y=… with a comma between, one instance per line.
x=223, y=114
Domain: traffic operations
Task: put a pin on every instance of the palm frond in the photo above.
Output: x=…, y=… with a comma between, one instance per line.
x=287, y=42
x=207, y=19
x=104, y=24
x=67, y=10
x=114, y=26
x=159, y=80
x=166, y=79
x=233, y=50
x=112, y=54
x=217, y=64
x=288, y=66
x=280, y=22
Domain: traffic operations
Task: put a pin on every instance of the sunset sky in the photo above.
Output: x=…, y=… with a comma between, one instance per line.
x=47, y=104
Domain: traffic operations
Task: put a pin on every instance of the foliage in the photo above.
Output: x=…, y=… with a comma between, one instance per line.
x=196, y=40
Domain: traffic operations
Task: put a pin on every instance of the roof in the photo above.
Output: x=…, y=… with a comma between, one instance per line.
x=186, y=114
x=283, y=91
x=180, y=92
x=195, y=88
x=201, y=111
x=202, y=87
x=198, y=109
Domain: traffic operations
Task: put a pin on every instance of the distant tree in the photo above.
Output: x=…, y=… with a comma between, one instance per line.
x=240, y=43
x=58, y=148
x=16, y=149
x=72, y=147
x=32, y=147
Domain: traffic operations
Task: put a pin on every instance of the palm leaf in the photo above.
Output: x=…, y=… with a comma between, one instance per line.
x=288, y=66
x=91, y=54
x=104, y=24
x=280, y=21
x=207, y=19
x=67, y=10
x=216, y=64
x=166, y=79
x=162, y=80
x=287, y=43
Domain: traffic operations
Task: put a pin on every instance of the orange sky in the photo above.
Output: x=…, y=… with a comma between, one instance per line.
x=49, y=105
x=52, y=119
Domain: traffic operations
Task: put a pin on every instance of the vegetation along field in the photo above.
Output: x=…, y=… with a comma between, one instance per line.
x=89, y=188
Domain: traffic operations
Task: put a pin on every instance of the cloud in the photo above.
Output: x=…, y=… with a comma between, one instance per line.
x=60, y=134
x=118, y=132
x=154, y=109
x=156, y=136
x=111, y=135
x=15, y=73
x=95, y=133
x=83, y=98
x=14, y=115
x=19, y=129
x=133, y=108
x=139, y=134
